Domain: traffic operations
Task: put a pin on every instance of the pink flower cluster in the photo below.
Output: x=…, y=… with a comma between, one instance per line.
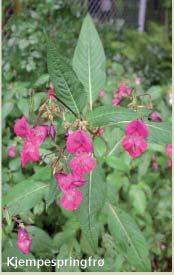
x=24, y=241
x=80, y=144
x=134, y=141
x=169, y=154
x=123, y=92
x=33, y=138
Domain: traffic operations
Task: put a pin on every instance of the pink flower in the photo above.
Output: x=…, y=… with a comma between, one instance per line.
x=169, y=163
x=169, y=150
x=102, y=93
x=122, y=90
x=30, y=152
x=77, y=180
x=64, y=181
x=39, y=134
x=116, y=101
x=79, y=142
x=82, y=164
x=135, y=145
x=69, y=181
x=24, y=241
x=71, y=199
x=12, y=151
x=22, y=127
x=137, y=127
x=51, y=94
x=155, y=116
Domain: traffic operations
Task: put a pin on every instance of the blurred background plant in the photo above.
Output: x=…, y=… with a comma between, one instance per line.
x=143, y=61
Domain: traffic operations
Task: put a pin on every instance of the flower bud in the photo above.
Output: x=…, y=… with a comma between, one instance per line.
x=155, y=116
x=12, y=151
x=24, y=241
x=102, y=93
x=51, y=94
x=52, y=132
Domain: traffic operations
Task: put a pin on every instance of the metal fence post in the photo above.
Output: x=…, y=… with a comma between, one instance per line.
x=141, y=15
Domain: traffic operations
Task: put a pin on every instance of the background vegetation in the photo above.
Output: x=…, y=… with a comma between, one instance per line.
x=140, y=189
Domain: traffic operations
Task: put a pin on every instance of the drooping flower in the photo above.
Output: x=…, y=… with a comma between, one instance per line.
x=137, y=127
x=24, y=241
x=64, y=181
x=116, y=101
x=79, y=142
x=77, y=180
x=22, y=127
x=135, y=145
x=169, y=150
x=82, y=164
x=12, y=151
x=71, y=199
x=39, y=134
x=122, y=90
x=155, y=116
x=69, y=181
x=30, y=152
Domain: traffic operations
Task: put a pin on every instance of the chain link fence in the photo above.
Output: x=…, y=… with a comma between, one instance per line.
x=103, y=11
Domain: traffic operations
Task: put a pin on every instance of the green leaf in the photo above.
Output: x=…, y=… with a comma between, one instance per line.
x=99, y=147
x=7, y=109
x=53, y=193
x=89, y=60
x=120, y=117
x=39, y=208
x=24, y=195
x=68, y=87
x=137, y=199
x=42, y=173
x=160, y=133
x=113, y=116
x=11, y=250
x=23, y=105
x=43, y=79
x=69, y=231
x=129, y=239
x=116, y=163
x=94, y=197
x=67, y=251
x=42, y=244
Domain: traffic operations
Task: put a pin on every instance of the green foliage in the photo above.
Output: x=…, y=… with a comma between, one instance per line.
x=66, y=84
x=94, y=199
x=21, y=199
x=129, y=239
x=89, y=60
x=125, y=216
